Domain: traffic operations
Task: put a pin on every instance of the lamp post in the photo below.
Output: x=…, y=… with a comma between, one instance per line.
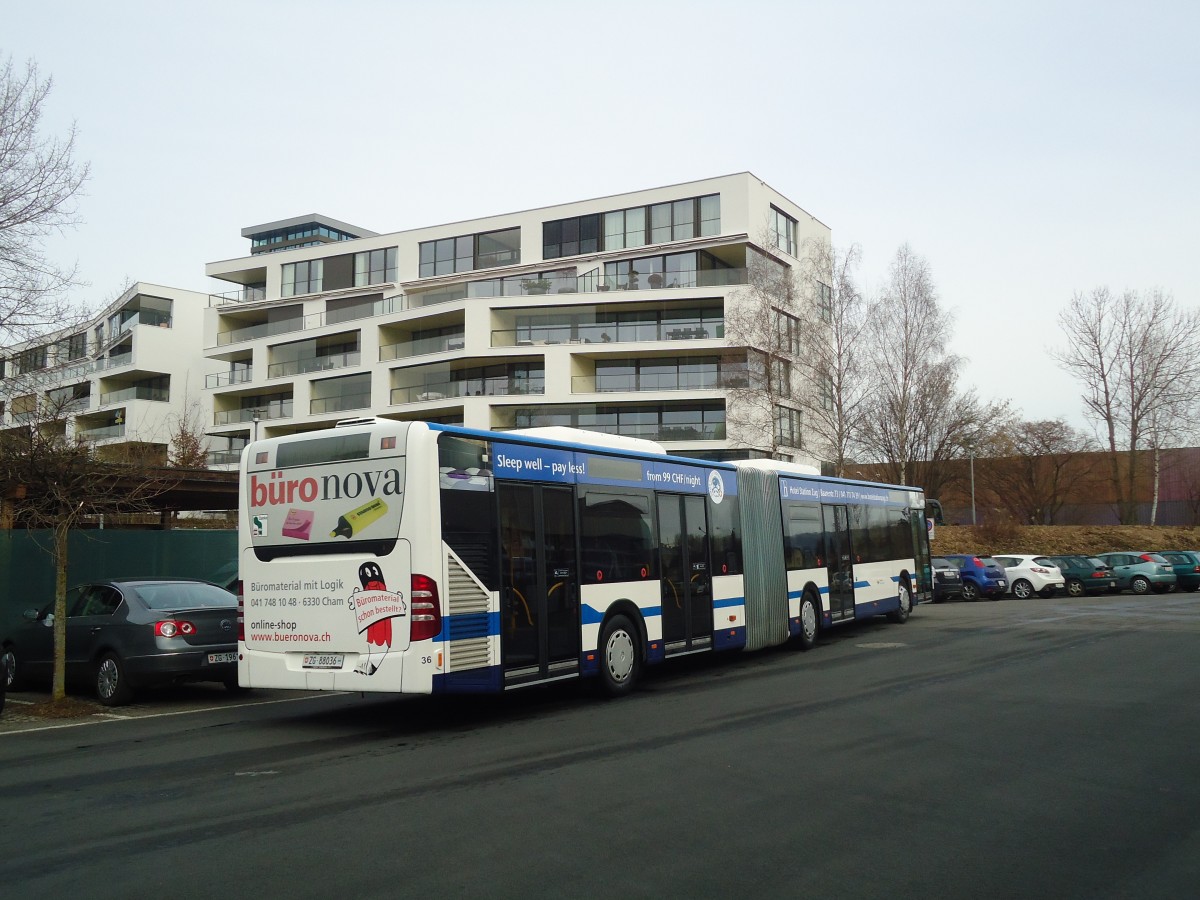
x=256, y=438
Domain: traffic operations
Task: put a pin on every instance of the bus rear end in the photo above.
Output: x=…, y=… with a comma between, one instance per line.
x=330, y=598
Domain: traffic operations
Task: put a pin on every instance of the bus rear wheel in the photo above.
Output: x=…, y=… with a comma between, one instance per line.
x=810, y=620
x=620, y=659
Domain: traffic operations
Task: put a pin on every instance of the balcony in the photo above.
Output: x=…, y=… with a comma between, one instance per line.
x=314, y=364
x=104, y=432
x=136, y=392
x=420, y=347
x=224, y=379
x=670, y=381
x=322, y=405
x=275, y=409
x=224, y=457
x=247, y=295
x=470, y=388
x=382, y=307
x=591, y=332
x=113, y=362
x=665, y=281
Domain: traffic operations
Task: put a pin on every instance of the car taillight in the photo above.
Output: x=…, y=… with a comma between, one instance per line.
x=1100, y=574
x=173, y=628
x=1145, y=557
x=426, y=611
x=241, y=615
x=977, y=561
x=1039, y=570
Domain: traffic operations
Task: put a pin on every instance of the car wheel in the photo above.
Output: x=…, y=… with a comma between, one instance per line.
x=1140, y=585
x=112, y=687
x=620, y=662
x=11, y=670
x=970, y=591
x=1075, y=588
x=904, y=595
x=1022, y=589
x=810, y=622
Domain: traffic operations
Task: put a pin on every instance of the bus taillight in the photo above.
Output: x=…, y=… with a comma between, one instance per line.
x=241, y=616
x=426, y=611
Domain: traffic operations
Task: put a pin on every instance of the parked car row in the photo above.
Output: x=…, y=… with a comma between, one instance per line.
x=1022, y=574
x=126, y=635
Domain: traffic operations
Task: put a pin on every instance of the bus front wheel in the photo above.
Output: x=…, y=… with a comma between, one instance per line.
x=621, y=662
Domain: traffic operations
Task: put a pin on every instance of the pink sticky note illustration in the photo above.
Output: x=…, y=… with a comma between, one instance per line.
x=298, y=524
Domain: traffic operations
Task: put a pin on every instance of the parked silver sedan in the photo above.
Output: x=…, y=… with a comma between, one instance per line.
x=125, y=635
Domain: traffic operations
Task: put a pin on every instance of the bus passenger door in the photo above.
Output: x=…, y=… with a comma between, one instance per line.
x=839, y=561
x=539, y=604
x=686, y=586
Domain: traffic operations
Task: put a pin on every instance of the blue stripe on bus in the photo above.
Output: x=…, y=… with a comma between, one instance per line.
x=729, y=602
x=470, y=625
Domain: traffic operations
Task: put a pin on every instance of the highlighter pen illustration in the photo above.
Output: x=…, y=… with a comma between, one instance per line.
x=357, y=519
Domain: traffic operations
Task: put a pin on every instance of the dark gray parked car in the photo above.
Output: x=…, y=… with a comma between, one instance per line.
x=124, y=635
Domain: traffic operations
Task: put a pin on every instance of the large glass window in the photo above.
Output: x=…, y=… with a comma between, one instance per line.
x=375, y=266
x=617, y=535
x=622, y=229
x=570, y=237
x=302, y=278
x=447, y=256
x=787, y=427
x=805, y=545
x=783, y=229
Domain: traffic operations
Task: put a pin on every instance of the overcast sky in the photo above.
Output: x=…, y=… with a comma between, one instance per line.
x=1028, y=150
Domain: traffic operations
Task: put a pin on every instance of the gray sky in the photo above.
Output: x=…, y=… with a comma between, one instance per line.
x=1027, y=150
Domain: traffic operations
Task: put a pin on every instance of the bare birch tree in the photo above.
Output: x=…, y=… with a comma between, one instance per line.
x=40, y=180
x=833, y=322
x=1138, y=358
x=761, y=411
x=916, y=418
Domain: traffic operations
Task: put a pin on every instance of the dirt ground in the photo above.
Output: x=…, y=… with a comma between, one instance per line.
x=1053, y=540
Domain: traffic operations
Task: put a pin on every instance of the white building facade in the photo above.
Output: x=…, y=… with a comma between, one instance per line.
x=606, y=314
x=127, y=379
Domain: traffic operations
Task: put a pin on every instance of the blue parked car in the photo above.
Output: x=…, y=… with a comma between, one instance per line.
x=982, y=576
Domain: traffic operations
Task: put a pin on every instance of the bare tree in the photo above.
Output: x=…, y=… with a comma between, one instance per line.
x=51, y=479
x=762, y=412
x=188, y=447
x=833, y=321
x=39, y=182
x=1138, y=357
x=915, y=416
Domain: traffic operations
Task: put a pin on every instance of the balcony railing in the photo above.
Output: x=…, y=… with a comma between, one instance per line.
x=247, y=295
x=276, y=409
x=682, y=381
x=102, y=433
x=420, y=347
x=608, y=332
x=113, y=362
x=382, y=307
x=319, y=405
x=469, y=388
x=234, y=376
x=136, y=392
x=314, y=364
x=661, y=281
x=224, y=457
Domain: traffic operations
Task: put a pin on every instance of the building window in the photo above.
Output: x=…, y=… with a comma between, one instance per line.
x=783, y=231
x=781, y=378
x=32, y=359
x=787, y=427
x=375, y=267
x=3, y=368
x=826, y=392
x=302, y=277
x=825, y=302
x=570, y=237
x=77, y=346
x=472, y=251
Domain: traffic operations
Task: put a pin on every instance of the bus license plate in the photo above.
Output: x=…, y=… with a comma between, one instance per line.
x=323, y=660
x=214, y=658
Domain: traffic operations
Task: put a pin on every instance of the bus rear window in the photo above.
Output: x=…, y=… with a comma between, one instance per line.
x=315, y=451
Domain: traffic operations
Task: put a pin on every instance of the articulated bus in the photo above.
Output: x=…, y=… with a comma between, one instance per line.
x=425, y=558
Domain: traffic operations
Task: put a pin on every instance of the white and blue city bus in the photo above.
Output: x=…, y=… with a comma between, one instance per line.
x=425, y=558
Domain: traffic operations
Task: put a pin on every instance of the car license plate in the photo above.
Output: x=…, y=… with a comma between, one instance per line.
x=323, y=660
x=1002, y=583
x=214, y=658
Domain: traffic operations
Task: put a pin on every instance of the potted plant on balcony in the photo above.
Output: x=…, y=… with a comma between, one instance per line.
x=536, y=285
x=656, y=280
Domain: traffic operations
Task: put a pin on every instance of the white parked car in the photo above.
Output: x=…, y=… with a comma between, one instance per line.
x=1029, y=574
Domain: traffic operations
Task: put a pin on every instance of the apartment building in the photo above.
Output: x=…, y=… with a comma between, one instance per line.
x=607, y=314
x=124, y=379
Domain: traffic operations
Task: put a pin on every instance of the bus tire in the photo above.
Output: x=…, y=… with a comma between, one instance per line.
x=810, y=622
x=904, y=596
x=620, y=657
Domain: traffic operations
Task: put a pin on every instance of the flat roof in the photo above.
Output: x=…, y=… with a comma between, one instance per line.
x=310, y=219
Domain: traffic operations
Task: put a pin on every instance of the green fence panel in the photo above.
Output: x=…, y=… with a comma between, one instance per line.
x=27, y=561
